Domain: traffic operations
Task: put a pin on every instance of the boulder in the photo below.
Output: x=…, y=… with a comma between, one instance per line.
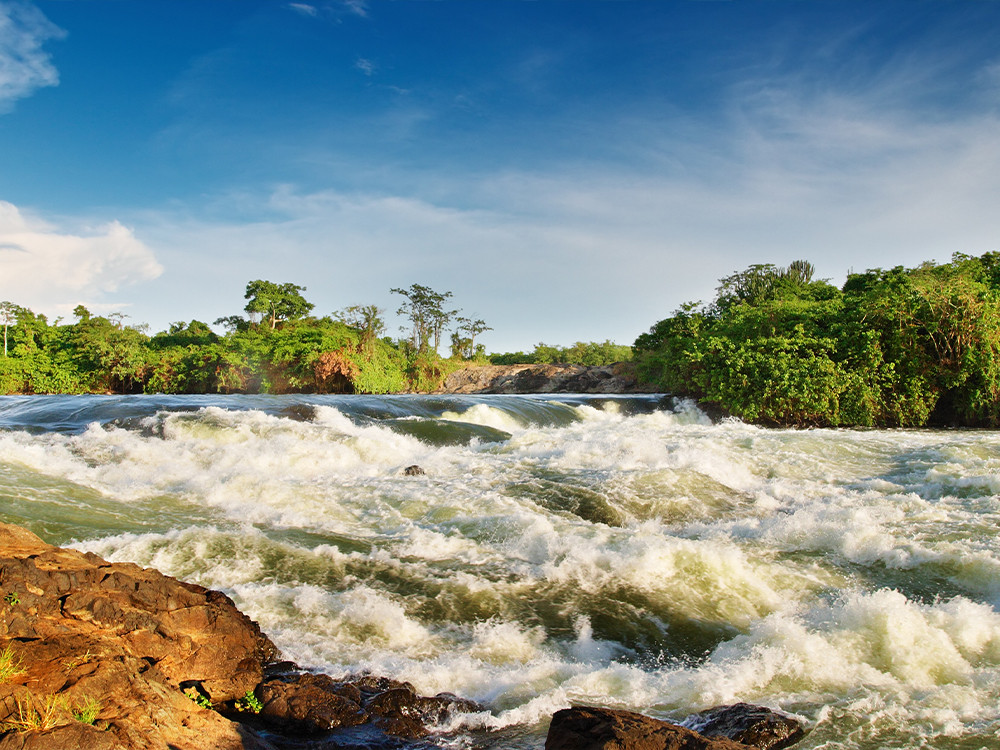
x=102, y=653
x=305, y=704
x=752, y=725
x=106, y=655
x=589, y=728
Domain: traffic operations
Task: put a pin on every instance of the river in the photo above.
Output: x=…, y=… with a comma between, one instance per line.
x=622, y=551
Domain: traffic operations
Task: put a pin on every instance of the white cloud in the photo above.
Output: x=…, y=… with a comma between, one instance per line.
x=365, y=66
x=357, y=7
x=49, y=270
x=305, y=9
x=24, y=66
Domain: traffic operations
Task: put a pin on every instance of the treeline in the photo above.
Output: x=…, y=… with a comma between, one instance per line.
x=900, y=347
x=580, y=353
x=277, y=347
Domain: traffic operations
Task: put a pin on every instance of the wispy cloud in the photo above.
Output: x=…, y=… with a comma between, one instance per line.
x=24, y=65
x=49, y=269
x=305, y=9
x=357, y=7
x=365, y=66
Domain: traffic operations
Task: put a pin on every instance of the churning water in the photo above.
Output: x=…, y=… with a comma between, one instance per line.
x=620, y=551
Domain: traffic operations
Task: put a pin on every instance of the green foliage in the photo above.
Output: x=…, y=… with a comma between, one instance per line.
x=428, y=316
x=198, y=697
x=10, y=665
x=276, y=302
x=902, y=347
x=248, y=703
x=580, y=353
x=87, y=710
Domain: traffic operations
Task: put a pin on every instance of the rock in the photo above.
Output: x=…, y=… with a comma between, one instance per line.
x=752, y=725
x=413, y=471
x=618, y=378
x=309, y=704
x=587, y=728
x=124, y=639
x=138, y=647
x=306, y=703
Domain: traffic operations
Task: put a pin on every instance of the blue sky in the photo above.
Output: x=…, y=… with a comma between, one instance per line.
x=570, y=170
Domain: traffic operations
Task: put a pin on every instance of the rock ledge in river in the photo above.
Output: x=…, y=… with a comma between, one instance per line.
x=508, y=379
x=591, y=728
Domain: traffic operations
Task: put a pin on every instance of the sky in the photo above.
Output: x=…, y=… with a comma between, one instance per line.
x=571, y=170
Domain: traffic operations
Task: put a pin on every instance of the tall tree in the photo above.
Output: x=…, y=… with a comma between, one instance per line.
x=8, y=316
x=428, y=317
x=276, y=302
x=465, y=345
x=366, y=318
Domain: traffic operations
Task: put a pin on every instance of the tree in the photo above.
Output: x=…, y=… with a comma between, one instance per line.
x=366, y=318
x=428, y=318
x=8, y=316
x=465, y=346
x=276, y=302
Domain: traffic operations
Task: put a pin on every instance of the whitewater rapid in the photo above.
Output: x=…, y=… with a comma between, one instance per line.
x=623, y=551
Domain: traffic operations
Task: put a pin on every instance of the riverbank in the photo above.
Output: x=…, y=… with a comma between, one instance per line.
x=619, y=378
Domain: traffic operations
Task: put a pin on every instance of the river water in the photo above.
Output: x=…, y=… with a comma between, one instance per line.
x=619, y=551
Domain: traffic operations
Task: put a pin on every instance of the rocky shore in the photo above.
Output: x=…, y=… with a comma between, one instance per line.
x=110, y=656
x=508, y=379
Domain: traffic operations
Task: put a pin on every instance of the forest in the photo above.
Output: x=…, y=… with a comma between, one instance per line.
x=277, y=346
x=903, y=347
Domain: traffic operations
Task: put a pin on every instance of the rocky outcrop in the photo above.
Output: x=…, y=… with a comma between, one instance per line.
x=752, y=725
x=739, y=727
x=619, y=378
x=582, y=728
x=100, y=656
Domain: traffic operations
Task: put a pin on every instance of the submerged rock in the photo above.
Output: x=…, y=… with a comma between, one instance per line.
x=588, y=728
x=752, y=725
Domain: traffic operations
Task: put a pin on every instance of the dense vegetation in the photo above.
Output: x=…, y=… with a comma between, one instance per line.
x=277, y=348
x=581, y=353
x=899, y=347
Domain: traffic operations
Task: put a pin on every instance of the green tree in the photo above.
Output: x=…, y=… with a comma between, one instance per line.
x=428, y=316
x=465, y=345
x=8, y=317
x=367, y=319
x=276, y=302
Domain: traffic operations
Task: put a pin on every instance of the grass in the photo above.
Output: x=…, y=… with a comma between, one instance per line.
x=77, y=661
x=87, y=711
x=10, y=665
x=31, y=718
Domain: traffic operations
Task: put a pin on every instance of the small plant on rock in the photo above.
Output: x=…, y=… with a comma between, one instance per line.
x=87, y=710
x=10, y=665
x=198, y=697
x=32, y=718
x=12, y=598
x=248, y=702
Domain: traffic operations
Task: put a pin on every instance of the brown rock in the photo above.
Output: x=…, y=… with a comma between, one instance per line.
x=752, y=725
x=618, y=378
x=309, y=704
x=586, y=728
x=124, y=638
